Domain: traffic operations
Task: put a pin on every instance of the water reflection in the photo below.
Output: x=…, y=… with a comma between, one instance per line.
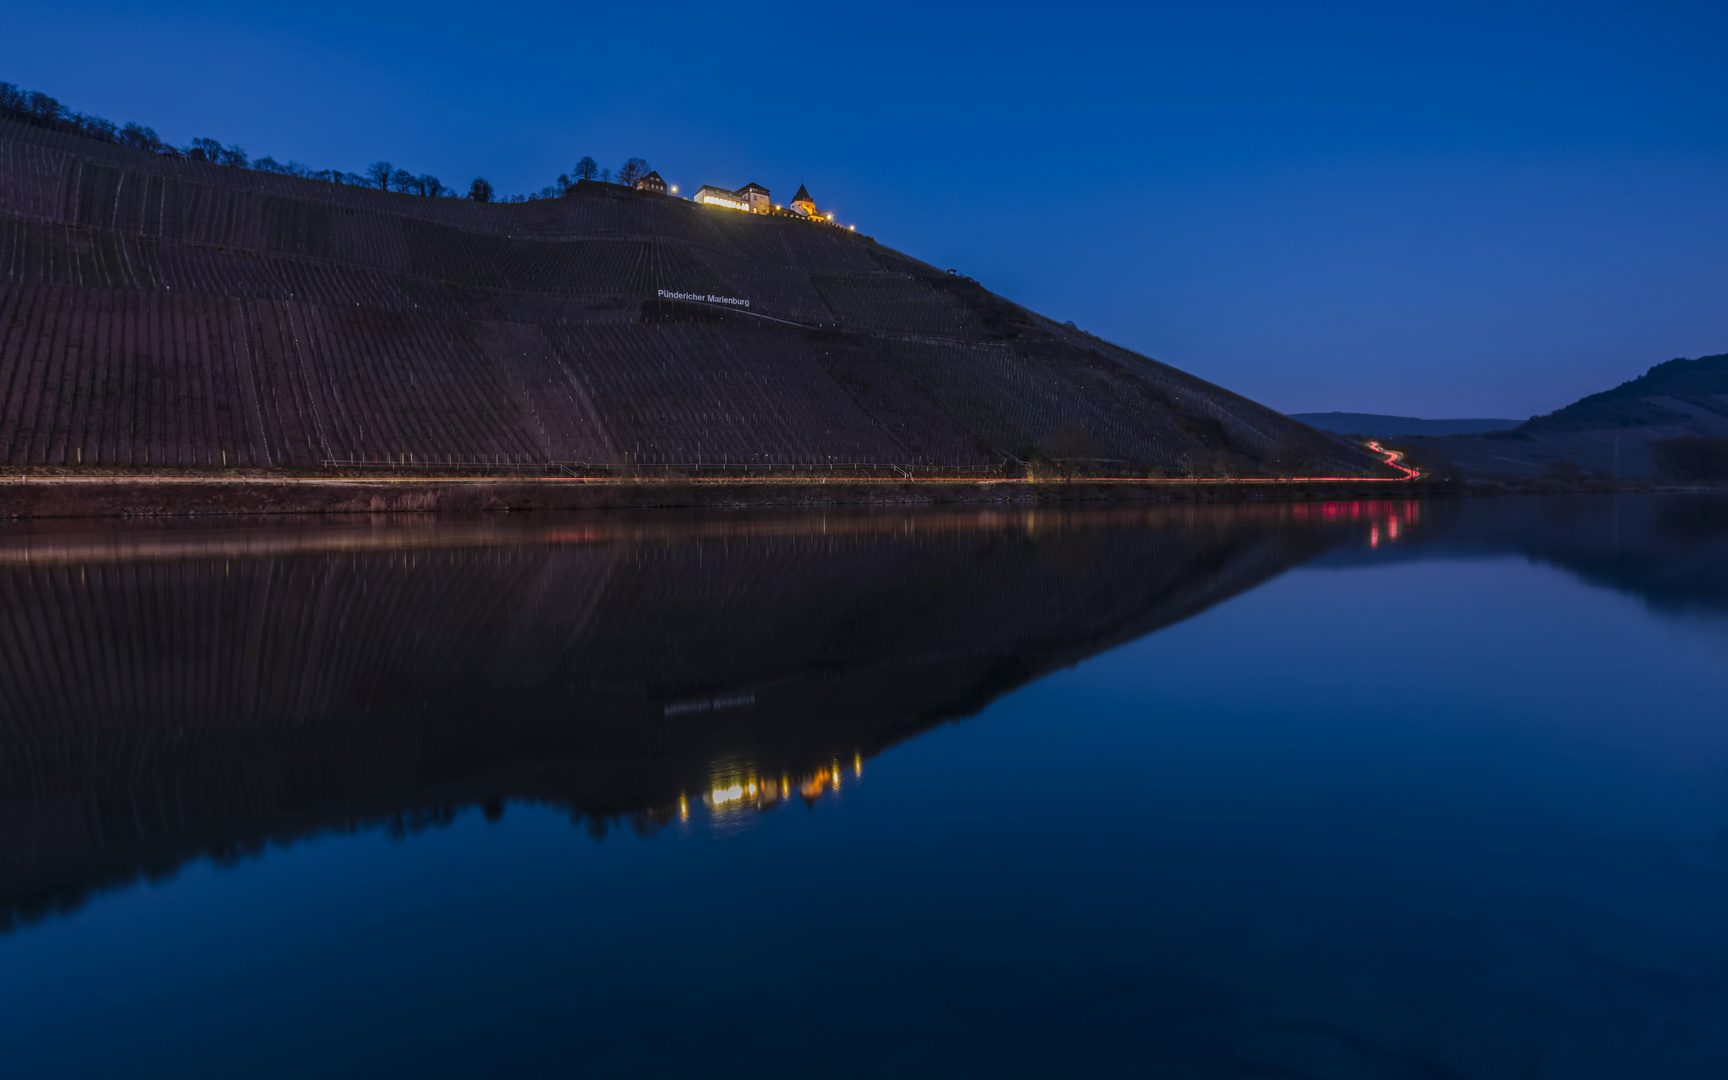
x=1671, y=549
x=171, y=692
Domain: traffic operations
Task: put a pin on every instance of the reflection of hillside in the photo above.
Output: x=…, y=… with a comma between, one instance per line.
x=171, y=691
x=1670, y=549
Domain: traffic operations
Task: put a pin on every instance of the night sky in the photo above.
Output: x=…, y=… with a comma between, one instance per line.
x=1465, y=211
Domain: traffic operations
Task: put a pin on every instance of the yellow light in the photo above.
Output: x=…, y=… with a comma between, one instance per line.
x=752, y=789
x=727, y=794
x=674, y=189
x=857, y=764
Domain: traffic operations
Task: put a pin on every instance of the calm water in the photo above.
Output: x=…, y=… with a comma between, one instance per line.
x=1357, y=790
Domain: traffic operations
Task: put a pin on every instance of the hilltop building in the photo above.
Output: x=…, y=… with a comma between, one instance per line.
x=756, y=196
x=652, y=182
x=751, y=197
x=709, y=195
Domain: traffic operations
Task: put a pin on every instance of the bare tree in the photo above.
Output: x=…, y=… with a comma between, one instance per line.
x=378, y=175
x=96, y=128
x=42, y=107
x=204, y=150
x=284, y=168
x=140, y=138
x=480, y=191
x=632, y=171
x=586, y=169
x=231, y=155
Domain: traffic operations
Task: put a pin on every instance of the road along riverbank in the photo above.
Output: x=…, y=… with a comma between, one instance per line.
x=134, y=496
x=72, y=494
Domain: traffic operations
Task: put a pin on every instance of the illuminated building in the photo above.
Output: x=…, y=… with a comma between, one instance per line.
x=754, y=199
x=709, y=195
x=755, y=196
x=751, y=197
x=652, y=182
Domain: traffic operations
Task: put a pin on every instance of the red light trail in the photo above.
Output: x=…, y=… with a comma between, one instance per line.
x=1394, y=459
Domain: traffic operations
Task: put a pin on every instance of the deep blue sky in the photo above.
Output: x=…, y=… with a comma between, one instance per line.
x=1484, y=211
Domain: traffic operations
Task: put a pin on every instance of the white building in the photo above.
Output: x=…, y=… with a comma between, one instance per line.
x=710, y=195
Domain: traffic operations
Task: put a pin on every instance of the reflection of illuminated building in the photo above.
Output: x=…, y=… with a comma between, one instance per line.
x=740, y=791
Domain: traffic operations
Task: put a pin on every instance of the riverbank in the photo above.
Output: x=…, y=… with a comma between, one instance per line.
x=62, y=496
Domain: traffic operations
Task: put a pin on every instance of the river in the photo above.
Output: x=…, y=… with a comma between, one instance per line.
x=1358, y=789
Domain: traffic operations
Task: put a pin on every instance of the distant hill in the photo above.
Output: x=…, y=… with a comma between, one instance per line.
x=1376, y=426
x=1608, y=432
x=157, y=311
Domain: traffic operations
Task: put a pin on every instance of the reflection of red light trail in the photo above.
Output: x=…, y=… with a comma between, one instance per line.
x=1387, y=519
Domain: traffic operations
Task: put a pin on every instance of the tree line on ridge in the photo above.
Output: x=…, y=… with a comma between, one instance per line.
x=40, y=110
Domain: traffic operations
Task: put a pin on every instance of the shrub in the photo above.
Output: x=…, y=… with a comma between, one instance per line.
x=1690, y=458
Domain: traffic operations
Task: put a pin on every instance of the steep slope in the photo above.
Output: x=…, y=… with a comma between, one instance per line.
x=1610, y=431
x=157, y=312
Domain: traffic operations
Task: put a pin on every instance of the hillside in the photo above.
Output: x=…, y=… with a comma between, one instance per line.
x=164, y=313
x=1378, y=426
x=1608, y=432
